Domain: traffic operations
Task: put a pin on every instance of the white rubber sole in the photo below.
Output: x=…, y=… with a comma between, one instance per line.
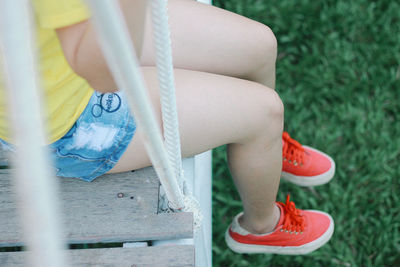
x=312, y=180
x=299, y=250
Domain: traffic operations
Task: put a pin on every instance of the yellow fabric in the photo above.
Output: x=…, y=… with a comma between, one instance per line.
x=66, y=94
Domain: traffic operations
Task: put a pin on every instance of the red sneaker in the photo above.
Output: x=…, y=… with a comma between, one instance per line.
x=297, y=232
x=303, y=165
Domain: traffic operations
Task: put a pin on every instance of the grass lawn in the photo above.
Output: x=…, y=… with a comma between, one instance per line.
x=338, y=74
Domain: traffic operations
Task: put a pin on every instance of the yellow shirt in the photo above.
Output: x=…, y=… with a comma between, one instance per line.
x=66, y=94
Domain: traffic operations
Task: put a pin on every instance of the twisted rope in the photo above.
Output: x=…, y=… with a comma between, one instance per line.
x=166, y=80
x=163, y=51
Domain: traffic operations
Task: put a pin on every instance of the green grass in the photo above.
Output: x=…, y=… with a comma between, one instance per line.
x=338, y=74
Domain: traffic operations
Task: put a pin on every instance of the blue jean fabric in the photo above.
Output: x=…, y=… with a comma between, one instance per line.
x=96, y=141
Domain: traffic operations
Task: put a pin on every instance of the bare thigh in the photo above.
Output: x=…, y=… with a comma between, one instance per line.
x=210, y=39
x=213, y=110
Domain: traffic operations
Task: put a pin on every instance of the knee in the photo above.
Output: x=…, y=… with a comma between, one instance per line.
x=265, y=115
x=271, y=118
x=274, y=107
x=266, y=46
x=269, y=43
x=263, y=118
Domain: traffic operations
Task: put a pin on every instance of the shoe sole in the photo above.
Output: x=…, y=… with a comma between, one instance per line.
x=283, y=250
x=312, y=180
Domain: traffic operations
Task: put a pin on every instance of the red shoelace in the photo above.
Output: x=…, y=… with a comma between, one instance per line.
x=292, y=150
x=294, y=222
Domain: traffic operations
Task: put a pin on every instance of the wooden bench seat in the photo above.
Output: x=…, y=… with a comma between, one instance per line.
x=177, y=256
x=113, y=208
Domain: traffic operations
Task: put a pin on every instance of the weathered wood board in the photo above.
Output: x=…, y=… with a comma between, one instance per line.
x=162, y=256
x=113, y=208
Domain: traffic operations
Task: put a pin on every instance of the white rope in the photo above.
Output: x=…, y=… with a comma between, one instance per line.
x=166, y=79
x=35, y=185
x=122, y=61
x=163, y=51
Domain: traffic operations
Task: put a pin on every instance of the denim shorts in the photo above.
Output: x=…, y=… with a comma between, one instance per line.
x=97, y=140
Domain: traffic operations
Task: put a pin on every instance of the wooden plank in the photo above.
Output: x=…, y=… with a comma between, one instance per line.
x=162, y=256
x=113, y=208
x=137, y=228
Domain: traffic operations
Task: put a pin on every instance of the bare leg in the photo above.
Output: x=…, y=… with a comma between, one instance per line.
x=210, y=39
x=215, y=110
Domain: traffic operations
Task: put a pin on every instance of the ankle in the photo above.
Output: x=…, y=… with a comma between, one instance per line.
x=261, y=226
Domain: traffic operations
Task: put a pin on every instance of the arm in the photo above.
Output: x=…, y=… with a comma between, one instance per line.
x=83, y=53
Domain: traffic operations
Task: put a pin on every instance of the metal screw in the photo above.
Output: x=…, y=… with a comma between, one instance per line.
x=120, y=195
